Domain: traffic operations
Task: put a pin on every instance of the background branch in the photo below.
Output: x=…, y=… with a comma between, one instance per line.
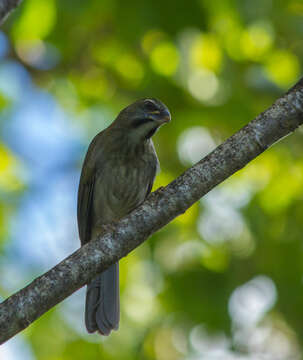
x=6, y=6
x=25, y=306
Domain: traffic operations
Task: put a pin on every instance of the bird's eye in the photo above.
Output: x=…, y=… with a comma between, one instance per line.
x=150, y=105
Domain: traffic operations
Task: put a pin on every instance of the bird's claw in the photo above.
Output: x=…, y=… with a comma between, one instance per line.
x=109, y=227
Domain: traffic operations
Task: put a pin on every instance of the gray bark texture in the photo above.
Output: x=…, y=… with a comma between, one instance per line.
x=162, y=206
x=6, y=6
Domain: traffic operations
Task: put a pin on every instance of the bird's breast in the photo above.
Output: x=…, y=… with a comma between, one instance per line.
x=122, y=186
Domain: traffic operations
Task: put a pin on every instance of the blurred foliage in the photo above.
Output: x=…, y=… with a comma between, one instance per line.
x=222, y=281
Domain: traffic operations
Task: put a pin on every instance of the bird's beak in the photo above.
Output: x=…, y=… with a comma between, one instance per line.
x=160, y=117
x=165, y=118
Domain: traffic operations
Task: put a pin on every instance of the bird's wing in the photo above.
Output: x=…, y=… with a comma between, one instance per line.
x=154, y=168
x=85, y=196
x=153, y=172
x=86, y=193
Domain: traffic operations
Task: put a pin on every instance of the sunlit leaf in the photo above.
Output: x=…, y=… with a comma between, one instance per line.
x=36, y=21
x=9, y=180
x=283, y=68
x=206, y=53
x=165, y=58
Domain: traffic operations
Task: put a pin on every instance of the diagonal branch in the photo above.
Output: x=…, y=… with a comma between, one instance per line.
x=25, y=306
x=6, y=7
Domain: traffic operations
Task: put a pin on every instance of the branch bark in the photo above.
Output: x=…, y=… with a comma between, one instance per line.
x=25, y=306
x=6, y=6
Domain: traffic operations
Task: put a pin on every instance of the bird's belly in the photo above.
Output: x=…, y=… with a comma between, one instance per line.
x=128, y=191
x=123, y=189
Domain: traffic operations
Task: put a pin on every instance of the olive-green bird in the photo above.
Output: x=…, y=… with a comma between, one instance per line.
x=118, y=173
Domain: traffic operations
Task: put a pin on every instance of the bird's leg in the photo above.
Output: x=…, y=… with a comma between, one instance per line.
x=100, y=229
x=156, y=192
x=110, y=227
x=104, y=228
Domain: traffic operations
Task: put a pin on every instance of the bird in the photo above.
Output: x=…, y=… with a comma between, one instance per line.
x=117, y=175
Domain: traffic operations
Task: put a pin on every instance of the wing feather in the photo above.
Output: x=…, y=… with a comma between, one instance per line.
x=85, y=197
x=86, y=191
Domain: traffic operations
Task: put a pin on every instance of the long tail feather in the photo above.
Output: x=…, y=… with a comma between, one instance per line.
x=102, y=310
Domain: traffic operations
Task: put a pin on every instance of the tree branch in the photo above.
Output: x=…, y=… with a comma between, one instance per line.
x=6, y=6
x=25, y=306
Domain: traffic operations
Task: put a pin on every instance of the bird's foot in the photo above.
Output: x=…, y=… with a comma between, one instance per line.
x=110, y=227
x=156, y=192
x=101, y=229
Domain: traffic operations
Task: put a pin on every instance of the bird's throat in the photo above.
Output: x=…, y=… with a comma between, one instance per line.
x=151, y=133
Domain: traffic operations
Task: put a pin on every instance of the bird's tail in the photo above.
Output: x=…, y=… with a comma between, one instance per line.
x=102, y=308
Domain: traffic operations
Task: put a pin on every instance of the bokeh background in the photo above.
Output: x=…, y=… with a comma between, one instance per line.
x=222, y=281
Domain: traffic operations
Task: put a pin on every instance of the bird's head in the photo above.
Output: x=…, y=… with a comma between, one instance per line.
x=142, y=118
